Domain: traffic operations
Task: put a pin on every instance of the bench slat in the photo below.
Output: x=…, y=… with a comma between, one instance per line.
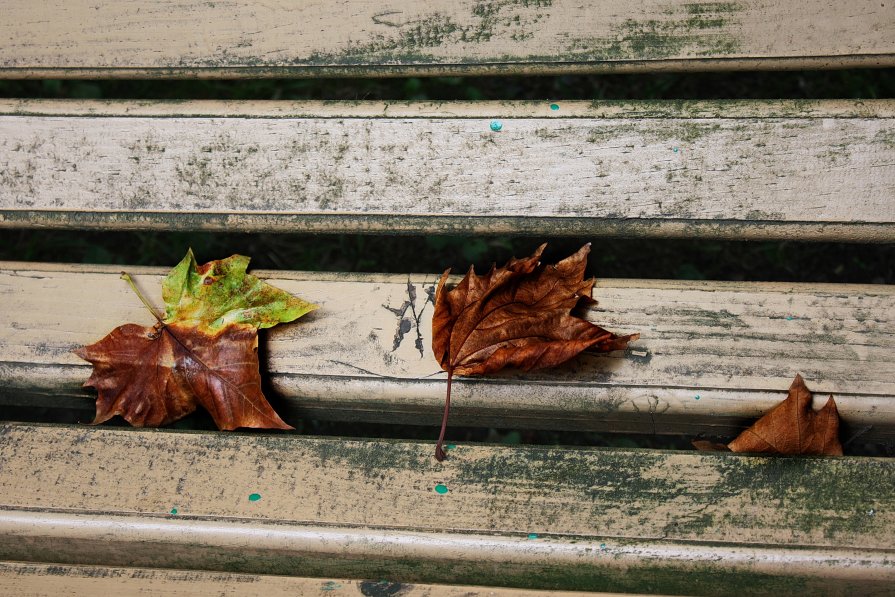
x=617, y=520
x=51, y=580
x=817, y=170
x=76, y=38
x=712, y=357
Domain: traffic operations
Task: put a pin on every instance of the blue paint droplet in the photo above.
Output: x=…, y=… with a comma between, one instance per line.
x=674, y=149
x=441, y=488
x=602, y=546
x=789, y=318
x=254, y=497
x=554, y=107
x=532, y=535
x=697, y=397
x=174, y=511
x=496, y=125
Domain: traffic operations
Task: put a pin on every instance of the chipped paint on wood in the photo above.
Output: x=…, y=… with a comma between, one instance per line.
x=631, y=520
x=316, y=38
x=736, y=345
x=817, y=175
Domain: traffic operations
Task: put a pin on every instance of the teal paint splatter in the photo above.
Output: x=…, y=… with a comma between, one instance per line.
x=451, y=447
x=674, y=149
x=254, y=497
x=496, y=125
x=174, y=511
x=554, y=107
x=602, y=546
x=331, y=586
x=441, y=488
x=532, y=535
x=789, y=318
x=697, y=397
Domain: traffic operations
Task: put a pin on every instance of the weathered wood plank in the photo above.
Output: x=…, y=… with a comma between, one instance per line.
x=174, y=38
x=712, y=357
x=52, y=580
x=341, y=109
x=816, y=170
x=618, y=520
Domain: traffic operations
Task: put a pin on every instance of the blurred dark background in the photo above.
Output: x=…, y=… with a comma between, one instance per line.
x=611, y=257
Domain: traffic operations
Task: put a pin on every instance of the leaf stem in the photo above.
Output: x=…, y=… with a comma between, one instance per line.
x=439, y=449
x=126, y=277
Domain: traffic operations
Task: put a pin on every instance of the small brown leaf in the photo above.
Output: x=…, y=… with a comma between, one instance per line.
x=515, y=316
x=792, y=427
x=155, y=376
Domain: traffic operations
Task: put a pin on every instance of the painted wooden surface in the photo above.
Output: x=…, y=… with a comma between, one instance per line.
x=618, y=520
x=712, y=357
x=54, y=580
x=77, y=38
x=811, y=170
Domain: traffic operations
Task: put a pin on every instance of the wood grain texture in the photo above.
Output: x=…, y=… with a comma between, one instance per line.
x=617, y=520
x=814, y=170
x=177, y=38
x=713, y=356
x=55, y=580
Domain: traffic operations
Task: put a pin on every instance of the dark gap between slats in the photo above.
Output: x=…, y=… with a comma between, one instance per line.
x=634, y=258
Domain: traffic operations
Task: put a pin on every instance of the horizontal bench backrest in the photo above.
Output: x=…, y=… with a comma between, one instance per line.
x=820, y=170
x=77, y=38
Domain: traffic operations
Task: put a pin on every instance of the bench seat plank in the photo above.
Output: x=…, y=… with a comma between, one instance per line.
x=815, y=171
x=712, y=357
x=52, y=580
x=617, y=520
x=176, y=38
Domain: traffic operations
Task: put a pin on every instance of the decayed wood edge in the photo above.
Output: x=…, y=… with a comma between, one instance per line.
x=392, y=401
x=328, y=276
x=470, y=69
x=50, y=580
x=722, y=109
x=509, y=69
x=280, y=222
x=724, y=411
x=837, y=543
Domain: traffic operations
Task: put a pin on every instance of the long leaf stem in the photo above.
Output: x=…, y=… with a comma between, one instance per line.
x=126, y=277
x=439, y=449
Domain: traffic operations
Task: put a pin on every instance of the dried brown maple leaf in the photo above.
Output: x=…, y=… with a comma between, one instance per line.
x=204, y=353
x=515, y=316
x=791, y=427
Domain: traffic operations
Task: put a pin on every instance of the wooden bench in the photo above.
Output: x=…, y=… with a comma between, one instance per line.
x=103, y=508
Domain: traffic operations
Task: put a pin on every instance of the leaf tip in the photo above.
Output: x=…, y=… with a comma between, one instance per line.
x=708, y=446
x=831, y=405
